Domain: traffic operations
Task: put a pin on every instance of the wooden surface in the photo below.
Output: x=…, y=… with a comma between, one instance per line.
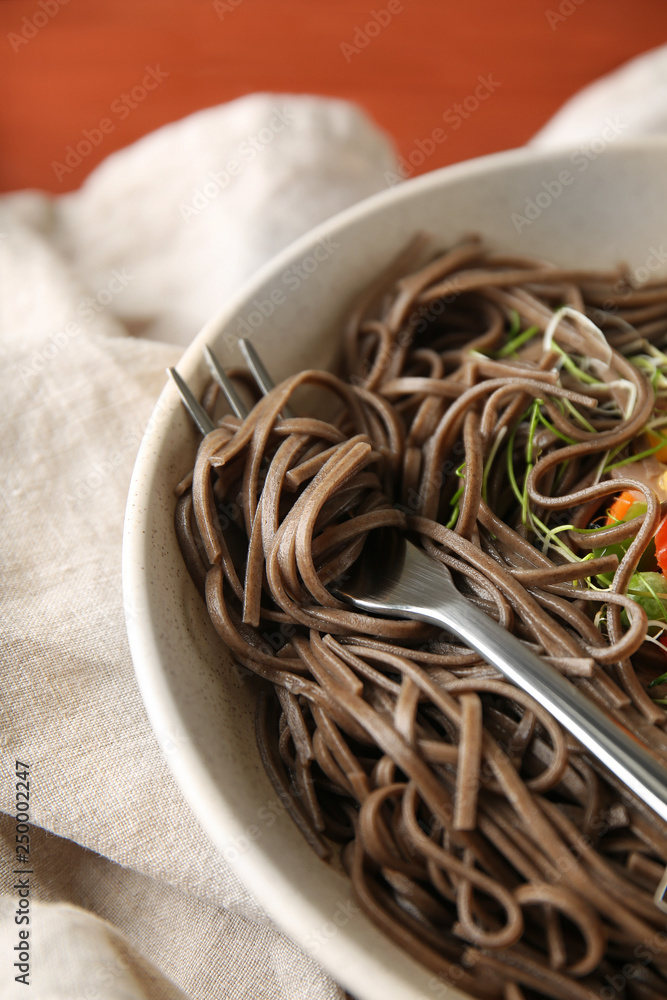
x=67, y=67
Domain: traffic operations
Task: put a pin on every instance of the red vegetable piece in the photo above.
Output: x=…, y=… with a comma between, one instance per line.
x=661, y=546
x=621, y=506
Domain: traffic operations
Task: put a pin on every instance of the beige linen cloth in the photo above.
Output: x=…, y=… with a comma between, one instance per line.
x=100, y=291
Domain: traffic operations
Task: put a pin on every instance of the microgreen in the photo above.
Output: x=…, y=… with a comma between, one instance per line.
x=516, y=341
x=637, y=457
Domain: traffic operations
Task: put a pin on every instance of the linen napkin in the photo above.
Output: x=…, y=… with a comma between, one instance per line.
x=632, y=99
x=101, y=289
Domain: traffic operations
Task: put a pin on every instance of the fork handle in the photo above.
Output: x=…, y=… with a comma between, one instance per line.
x=615, y=746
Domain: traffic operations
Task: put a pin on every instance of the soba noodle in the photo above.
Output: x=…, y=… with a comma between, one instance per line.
x=496, y=427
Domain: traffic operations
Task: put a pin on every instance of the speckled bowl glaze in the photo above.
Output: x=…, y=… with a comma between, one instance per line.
x=590, y=209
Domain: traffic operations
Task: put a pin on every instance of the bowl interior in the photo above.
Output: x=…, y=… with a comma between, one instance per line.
x=589, y=209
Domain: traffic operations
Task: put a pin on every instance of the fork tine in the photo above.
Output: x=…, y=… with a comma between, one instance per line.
x=259, y=372
x=413, y=585
x=192, y=404
x=226, y=384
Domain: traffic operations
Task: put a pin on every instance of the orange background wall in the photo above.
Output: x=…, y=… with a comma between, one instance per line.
x=65, y=65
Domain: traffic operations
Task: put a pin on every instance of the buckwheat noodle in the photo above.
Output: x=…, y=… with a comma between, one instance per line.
x=476, y=832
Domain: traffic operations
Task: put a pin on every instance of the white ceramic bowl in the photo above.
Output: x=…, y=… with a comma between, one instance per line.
x=591, y=209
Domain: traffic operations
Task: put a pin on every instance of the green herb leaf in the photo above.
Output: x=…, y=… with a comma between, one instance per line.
x=649, y=590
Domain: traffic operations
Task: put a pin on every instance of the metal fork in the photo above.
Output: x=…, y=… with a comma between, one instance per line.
x=396, y=578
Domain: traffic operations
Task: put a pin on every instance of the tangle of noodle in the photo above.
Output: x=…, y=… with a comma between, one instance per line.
x=476, y=832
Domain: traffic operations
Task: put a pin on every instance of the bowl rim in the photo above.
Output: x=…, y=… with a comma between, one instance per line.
x=159, y=702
